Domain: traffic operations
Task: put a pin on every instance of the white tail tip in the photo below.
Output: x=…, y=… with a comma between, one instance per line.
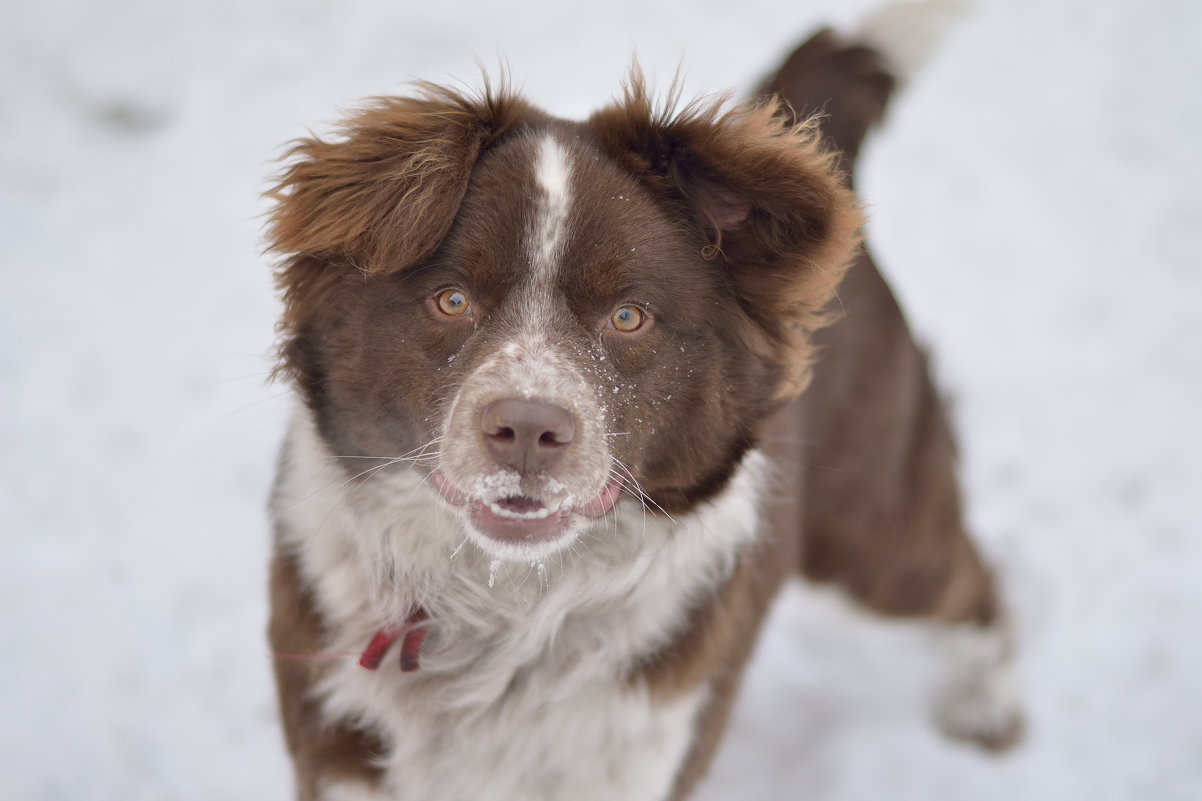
x=906, y=33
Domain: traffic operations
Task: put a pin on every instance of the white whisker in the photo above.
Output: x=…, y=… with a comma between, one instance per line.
x=365, y=475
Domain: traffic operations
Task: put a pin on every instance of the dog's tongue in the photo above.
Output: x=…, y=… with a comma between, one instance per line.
x=412, y=630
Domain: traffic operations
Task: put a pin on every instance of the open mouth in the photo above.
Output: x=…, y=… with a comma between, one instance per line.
x=520, y=520
x=523, y=520
x=521, y=508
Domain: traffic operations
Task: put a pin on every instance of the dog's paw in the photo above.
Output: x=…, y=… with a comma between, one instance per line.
x=979, y=701
x=984, y=711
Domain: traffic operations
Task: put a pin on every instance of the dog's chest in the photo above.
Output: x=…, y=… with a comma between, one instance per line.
x=606, y=742
x=528, y=686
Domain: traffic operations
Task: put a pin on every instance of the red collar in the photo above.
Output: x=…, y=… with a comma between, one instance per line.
x=413, y=630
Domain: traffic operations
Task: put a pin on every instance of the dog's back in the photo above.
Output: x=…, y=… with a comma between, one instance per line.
x=882, y=508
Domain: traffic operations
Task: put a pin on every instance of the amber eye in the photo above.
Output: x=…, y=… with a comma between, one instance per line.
x=453, y=303
x=627, y=319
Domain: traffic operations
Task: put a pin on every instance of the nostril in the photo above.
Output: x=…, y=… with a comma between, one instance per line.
x=527, y=434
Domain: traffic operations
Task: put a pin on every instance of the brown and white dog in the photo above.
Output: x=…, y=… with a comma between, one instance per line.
x=549, y=457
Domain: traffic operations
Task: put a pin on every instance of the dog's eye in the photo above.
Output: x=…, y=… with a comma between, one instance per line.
x=627, y=319
x=453, y=303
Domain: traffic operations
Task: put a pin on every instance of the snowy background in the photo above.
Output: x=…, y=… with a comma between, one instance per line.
x=1034, y=197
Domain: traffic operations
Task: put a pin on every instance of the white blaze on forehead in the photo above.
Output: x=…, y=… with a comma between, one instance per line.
x=552, y=173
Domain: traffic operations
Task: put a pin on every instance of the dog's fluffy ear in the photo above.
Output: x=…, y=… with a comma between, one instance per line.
x=385, y=191
x=380, y=196
x=770, y=205
x=377, y=198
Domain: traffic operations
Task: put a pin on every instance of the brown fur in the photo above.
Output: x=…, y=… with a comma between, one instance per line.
x=320, y=750
x=383, y=193
x=415, y=189
x=715, y=647
x=882, y=512
x=783, y=242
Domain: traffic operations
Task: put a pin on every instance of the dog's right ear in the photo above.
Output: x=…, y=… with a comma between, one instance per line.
x=376, y=199
x=383, y=194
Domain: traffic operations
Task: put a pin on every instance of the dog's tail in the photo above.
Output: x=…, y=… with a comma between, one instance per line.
x=849, y=78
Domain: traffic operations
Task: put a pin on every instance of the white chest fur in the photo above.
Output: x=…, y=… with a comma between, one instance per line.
x=524, y=688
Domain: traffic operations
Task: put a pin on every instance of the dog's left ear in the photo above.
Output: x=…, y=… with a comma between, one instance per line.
x=769, y=204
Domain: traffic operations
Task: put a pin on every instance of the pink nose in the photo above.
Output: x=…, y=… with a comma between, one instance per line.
x=529, y=436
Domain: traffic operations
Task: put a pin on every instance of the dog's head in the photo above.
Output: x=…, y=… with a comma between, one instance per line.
x=544, y=315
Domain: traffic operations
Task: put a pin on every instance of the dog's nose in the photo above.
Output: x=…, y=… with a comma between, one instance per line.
x=530, y=436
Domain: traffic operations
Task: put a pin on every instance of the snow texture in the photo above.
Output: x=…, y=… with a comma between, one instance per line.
x=1034, y=198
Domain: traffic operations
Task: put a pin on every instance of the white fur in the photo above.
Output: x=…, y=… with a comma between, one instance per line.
x=349, y=790
x=552, y=172
x=532, y=363
x=907, y=33
x=979, y=699
x=527, y=367
x=521, y=691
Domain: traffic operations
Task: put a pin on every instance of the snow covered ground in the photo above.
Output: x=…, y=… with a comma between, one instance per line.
x=1035, y=198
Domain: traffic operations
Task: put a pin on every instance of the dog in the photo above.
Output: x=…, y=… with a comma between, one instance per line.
x=553, y=457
